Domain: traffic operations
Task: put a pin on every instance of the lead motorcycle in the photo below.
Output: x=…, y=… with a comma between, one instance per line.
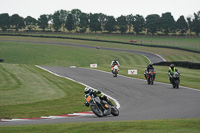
x=115, y=70
x=175, y=80
x=100, y=107
x=151, y=76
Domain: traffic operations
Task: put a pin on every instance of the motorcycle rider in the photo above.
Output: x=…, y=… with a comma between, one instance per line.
x=113, y=63
x=91, y=91
x=150, y=66
x=171, y=71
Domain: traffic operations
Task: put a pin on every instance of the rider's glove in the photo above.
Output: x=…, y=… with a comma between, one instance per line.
x=86, y=104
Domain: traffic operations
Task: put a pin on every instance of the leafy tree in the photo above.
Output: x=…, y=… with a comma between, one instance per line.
x=189, y=24
x=94, y=23
x=17, y=21
x=122, y=24
x=43, y=21
x=56, y=21
x=69, y=23
x=168, y=23
x=63, y=17
x=110, y=24
x=130, y=21
x=76, y=17
x=30, y=22
x=153, y=23
x=50, y=20
x=196, y=23
x=84, y=22
x=102, y=19
x=4, y=21
x=181, y=25
x=139, y=24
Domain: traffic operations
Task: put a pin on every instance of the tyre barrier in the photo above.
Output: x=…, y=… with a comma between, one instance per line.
x=185, y=64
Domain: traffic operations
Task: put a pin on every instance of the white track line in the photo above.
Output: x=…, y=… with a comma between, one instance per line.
x=51, y=117
x=116, y=102
x=161, y=57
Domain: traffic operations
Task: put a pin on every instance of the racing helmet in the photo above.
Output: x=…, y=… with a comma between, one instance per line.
x=172, y=66
x=150, y=64
x=86, y=90
x=115, y=60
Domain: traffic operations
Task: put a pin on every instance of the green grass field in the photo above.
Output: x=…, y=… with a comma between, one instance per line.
x=191, y=43
x=147, y=126
x=188, y=43
x=168, y=54
x=27, y=91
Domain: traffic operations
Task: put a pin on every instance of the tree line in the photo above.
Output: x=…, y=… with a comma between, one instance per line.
x=81, y=22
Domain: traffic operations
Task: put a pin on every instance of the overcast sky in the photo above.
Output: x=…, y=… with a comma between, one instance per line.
x=116, y=8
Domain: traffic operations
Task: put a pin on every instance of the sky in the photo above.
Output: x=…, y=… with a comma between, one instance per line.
x=115, y=8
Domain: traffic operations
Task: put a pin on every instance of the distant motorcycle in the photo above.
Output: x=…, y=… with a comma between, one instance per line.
x=175, y=80
x=115, y=70
x=100, y=107
x=151, y=76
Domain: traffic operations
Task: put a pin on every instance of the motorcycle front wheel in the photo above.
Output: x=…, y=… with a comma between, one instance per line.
x=151, y=81
x=148, y=81
x=97, y=111
x=176, y=82
x=114, y=111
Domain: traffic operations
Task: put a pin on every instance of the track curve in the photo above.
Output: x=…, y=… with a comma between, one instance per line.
x=138, y=100
x=154, y=58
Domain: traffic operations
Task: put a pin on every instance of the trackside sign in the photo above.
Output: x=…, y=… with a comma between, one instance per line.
x=93, y=65
x=132, y=72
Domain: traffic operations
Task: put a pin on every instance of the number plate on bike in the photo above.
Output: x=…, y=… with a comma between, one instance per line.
x=88, y=98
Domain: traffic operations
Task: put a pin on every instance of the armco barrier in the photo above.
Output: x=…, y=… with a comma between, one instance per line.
x=185, y=64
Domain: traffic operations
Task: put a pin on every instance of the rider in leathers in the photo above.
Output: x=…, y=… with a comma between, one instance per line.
x=150, y=66
x=90, y=91
x=171, y=71
x=113, y=63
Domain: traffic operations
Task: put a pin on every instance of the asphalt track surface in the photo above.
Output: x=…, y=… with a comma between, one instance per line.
x=138, y=101
x=152, y=57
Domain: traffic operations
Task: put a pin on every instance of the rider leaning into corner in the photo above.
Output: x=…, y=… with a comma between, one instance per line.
x=91, y=91
x=113, y=63
x=150, y=66
x=171, y=71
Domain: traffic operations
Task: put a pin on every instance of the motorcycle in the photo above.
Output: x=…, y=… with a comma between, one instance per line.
x=175, y=80
x=100, y=107
x=151, y=76
x=115, y=70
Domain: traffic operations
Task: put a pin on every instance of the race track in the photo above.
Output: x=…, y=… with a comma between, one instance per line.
x=154, y=58
x=138, y=101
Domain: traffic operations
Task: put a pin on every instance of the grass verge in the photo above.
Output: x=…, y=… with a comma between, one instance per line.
x=147, y=126
x=31, y=92
x=168, y=54
x=190, y=43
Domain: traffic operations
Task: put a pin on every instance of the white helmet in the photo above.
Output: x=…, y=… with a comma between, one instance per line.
x=86, y=90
